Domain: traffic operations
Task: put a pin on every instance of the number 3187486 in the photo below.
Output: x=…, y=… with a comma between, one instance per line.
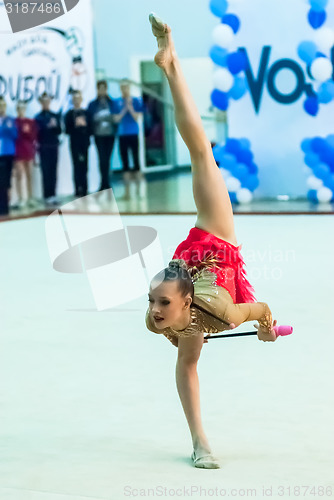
x=33, y=7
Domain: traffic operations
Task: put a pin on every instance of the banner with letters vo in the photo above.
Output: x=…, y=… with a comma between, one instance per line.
x=276, y=113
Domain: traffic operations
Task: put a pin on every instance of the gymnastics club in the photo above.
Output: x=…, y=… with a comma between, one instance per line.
x=279, y=330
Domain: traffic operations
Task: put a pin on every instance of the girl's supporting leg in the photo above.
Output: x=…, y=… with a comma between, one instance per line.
x=17, y=174
x=28, y=166
x=189, y=349
x=214, y=209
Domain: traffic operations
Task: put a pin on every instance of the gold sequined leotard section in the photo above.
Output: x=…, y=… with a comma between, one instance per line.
x=213, y=309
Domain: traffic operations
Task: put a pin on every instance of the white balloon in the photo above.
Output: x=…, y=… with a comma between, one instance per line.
x=314, y=182
x=223, y=35
x=233, y=184
x=223, y=80
x=324, y=195
x=244, y=195
x=226, y=173
x=322, y=69
x=324, y=39
x=307, y=170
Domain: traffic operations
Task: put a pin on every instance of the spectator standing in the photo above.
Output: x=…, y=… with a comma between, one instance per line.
x=25, y=153
x=127, y=112
x=103, y=127
x=49, y=129
x=8, y=135
x=78, y=128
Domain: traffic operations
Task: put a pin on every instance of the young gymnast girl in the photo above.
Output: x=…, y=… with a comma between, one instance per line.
x=204, y=289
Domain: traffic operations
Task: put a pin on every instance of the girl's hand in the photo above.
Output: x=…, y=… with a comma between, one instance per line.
x=264, y=335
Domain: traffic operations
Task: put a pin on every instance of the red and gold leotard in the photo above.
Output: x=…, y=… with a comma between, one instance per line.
x=222, y=293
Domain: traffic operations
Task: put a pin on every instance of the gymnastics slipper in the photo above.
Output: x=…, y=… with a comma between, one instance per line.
x=156, y=22
x=206, y=461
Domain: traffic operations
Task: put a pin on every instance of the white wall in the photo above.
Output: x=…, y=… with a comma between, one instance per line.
x=123, y=36
x=122, y=30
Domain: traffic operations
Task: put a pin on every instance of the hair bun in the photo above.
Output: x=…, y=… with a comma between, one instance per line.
x=178, y=263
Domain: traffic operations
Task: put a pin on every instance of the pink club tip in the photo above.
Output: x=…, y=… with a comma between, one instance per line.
x=283, y=330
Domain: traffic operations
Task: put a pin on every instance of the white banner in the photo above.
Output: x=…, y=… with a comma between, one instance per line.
x=54, y=58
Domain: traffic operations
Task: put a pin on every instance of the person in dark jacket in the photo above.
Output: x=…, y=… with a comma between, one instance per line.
x=49, y=129
x=103, y=127
x=78, y=128
x=8, y=135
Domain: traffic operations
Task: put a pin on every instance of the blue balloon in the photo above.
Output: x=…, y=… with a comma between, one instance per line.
x=320, y=54
x=318, y=5
x=330, y=87
x=218, y=152
x=245, y=156
x=251, y=182
x=218, y=7
x=316, y=18
x=233, y=21
x=326, y=92
x=245, y=143
x=330, y=140
x=228, y=161
x=218, y=55
x=253, y=169
x=330, y=182
x=312, y=195
x=318, y=144
x=232, y=146
x=324, y=95
x=311, y=160
x=233, y=197
x=306, y=146
x=236, y=62
x=240, y=171
x=326, y=155
x=322, y=171
x=307, y=51
x=239, y=88
x=311, y=105
x=219, y=99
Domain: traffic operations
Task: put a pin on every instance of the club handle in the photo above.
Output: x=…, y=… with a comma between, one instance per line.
x=281, y=330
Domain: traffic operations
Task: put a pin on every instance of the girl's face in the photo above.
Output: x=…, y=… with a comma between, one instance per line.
x=45, y=102
x=3, y=107
x=21, y=110
x=167, y=306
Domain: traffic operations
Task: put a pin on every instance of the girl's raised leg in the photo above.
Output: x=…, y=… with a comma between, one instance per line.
x=214, y=209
